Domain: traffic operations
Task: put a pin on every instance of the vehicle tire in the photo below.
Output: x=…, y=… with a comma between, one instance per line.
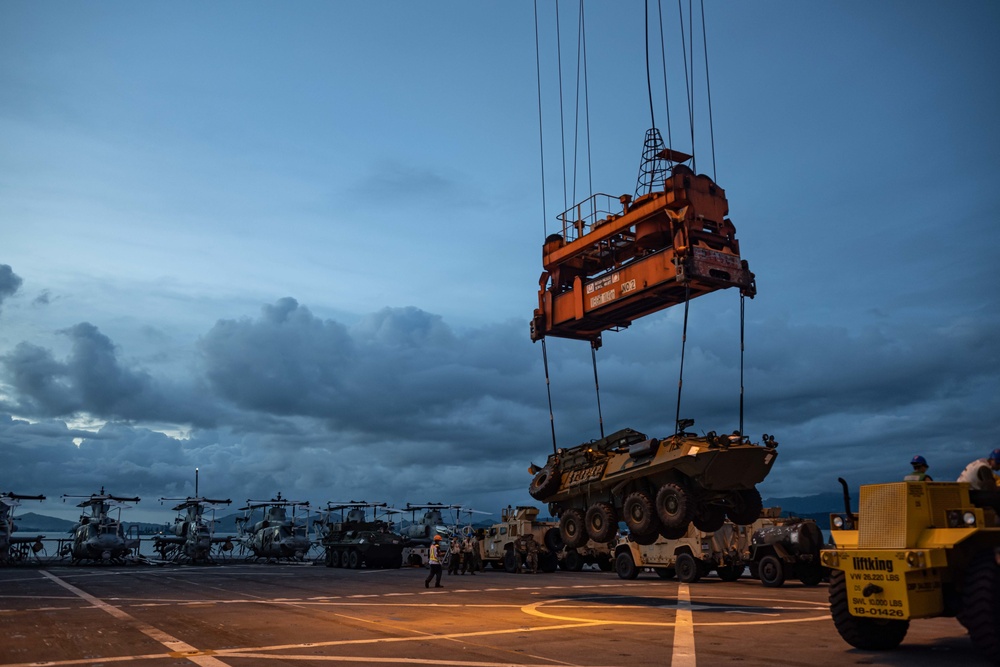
x=673, y=534
x=980, y=612
x=730, y=572
x=354, y=559
x=545, y=483
x=415, y=559
x=687, y=569
x=674, y=507
x=747, y=506
x=602, y=522
x=810, y=574
x=572, y=528
x=345, y=558
x=644, y=538
x=604, y=563
x=868, y=634
x=665, y=572
x=510, y=561
x=709, y=518
x=329, y=558
x=771, y=571
x=640, y=514
x=625, y=566
x=548, y=562
x=573, y=561
x=553, y=540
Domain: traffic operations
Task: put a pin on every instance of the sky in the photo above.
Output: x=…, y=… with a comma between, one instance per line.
x=297, y=246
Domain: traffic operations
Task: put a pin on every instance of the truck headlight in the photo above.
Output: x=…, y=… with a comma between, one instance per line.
x=960, y=519
x=915, y=558
x=838, y=522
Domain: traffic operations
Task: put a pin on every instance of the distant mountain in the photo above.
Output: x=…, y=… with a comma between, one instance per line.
x=29, y=522
x=821, y=503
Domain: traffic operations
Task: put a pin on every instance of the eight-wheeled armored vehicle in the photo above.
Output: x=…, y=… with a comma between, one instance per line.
x=915, y=550
x=352, y=540
x=657, y=486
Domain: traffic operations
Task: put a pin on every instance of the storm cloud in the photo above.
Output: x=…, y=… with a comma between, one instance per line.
x=10, y=282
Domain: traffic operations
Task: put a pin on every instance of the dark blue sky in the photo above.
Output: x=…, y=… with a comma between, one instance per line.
x=298, y=246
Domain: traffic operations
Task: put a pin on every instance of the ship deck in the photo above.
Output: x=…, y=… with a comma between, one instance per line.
x=281, y=614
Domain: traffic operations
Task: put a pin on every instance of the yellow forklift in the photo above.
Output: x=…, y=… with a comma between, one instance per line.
x=915, y=550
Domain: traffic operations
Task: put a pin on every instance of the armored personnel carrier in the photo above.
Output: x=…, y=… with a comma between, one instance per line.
x=657, y=486
x=354, y=541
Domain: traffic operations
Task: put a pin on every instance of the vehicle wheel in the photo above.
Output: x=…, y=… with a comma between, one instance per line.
x=640, y=514
x=687, y=568
x=673, y=534
x=415, y=560
x=329, y=558
x=510, y=561
x=345, y=558
x=602, y=522
x=548, y=562
x=730, y=572
x=709, y=518
x=573, y=560
x=771, y=571
x=981, y=603
x=810, y=574
x=674, y=507
x=572, y=528
x=604, y=563
x=553, y=540
x=545, y=483
x=665, y=572
x=625, y=566
x=497, y=565
x=868, y=634
x=354, y=560
x=747, y=506
x=645, y=539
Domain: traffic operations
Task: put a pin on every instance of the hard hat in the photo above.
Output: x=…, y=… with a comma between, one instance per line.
x=921, y=461
x=994, y=455
x=437, y=538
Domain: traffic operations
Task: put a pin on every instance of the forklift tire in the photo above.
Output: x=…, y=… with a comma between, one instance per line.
x=625, y=566
x=867, y=634
x=687, y=569
x=981, y=603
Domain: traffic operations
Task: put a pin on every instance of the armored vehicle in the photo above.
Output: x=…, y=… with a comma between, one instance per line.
x=658, y=487
x=497, y=548
x=689, y=558
x=351, y=540
x=786, y=548
x=915, y=550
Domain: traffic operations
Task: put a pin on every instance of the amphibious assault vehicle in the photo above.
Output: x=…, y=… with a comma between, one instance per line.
x=657, y=486
x=354, y=541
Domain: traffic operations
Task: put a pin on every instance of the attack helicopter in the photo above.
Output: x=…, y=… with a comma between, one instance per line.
x=422, y=530
x=15, y=549
x=98, y=536
x=192, y=535
x=276, y=536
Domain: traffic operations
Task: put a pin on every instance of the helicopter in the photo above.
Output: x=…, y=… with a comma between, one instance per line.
x=15, y=549
x=423, y=529
x=193, y=535
x=99, y=536
x=275, y=536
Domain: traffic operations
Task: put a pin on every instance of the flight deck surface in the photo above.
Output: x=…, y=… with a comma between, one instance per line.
x=280, y=614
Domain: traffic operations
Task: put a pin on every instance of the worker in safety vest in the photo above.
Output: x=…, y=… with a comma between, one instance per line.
x=919, y=473
x=434, y=558
x=979, y=473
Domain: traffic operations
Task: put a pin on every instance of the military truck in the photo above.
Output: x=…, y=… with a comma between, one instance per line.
x=657, y=486
x=915, y=550
x=354, y=541
x=689, y=558
x=784, y=548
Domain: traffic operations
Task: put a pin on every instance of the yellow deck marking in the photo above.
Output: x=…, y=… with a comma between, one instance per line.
x=683, y=654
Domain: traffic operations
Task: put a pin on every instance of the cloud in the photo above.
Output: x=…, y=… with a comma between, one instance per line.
x=10, y=282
